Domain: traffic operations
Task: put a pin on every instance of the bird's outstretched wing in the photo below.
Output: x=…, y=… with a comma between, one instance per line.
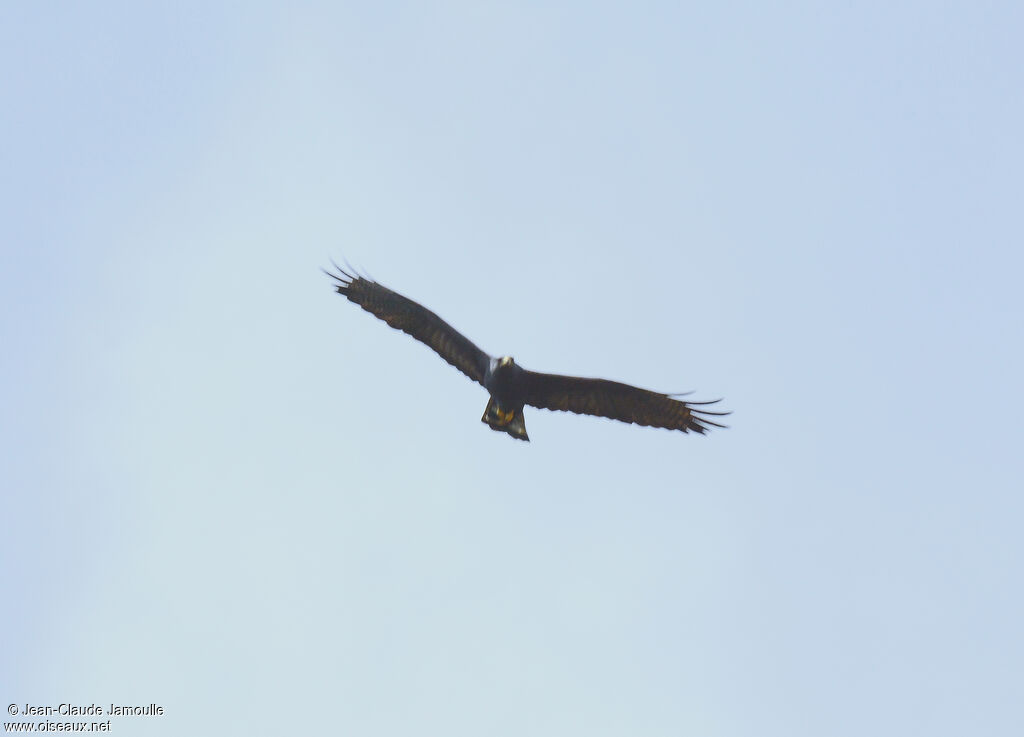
x=403, y=314
x=617, y=401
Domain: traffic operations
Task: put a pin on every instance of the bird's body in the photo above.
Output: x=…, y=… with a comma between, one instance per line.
x=510, y=386
x=505, y=382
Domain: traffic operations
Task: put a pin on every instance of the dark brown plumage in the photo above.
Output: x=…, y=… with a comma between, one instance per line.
x=416, y=320
x=616, y=401
x=512, y=387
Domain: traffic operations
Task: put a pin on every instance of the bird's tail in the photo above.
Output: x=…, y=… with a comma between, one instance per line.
x=504, y=419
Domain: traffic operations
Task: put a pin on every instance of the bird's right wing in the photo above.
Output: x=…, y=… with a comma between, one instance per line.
x=616, y=401
x=403, y=314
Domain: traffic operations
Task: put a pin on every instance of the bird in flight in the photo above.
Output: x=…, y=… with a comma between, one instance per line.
x=511, y=386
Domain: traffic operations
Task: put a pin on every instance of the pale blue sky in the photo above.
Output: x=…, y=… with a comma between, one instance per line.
x=232, y=493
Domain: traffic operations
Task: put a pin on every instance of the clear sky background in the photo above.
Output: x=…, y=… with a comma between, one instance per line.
x=230, y=492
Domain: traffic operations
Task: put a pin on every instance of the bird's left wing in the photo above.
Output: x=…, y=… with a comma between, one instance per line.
x=616, y=401
x=403, y=314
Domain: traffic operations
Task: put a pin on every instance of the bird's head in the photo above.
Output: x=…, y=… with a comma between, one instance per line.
x=506, y=361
